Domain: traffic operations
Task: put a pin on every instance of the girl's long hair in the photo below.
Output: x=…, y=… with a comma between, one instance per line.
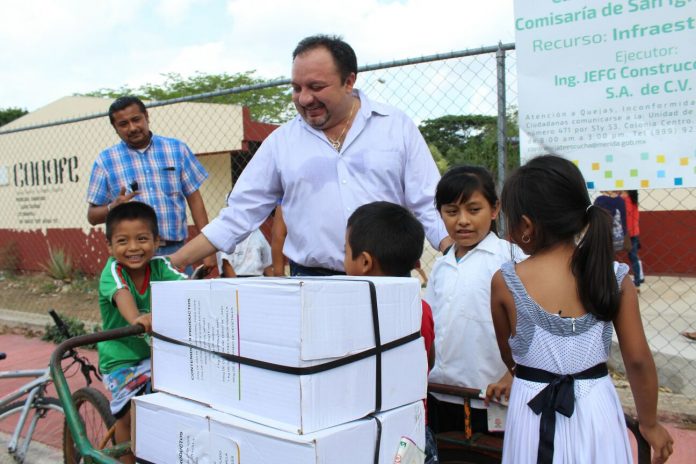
x=551, y=192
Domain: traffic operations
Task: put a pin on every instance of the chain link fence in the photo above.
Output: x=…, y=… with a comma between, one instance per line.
x=465, y=104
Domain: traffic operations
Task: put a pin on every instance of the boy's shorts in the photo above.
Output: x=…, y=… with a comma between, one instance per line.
x=126, y=383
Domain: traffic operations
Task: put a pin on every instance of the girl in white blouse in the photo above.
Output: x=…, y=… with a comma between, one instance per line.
x=459, y=292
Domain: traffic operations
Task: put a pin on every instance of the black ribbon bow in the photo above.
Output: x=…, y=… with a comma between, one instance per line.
x=557, y=396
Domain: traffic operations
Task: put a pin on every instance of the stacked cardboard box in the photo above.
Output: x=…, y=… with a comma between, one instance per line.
x=265, y=350
x=172, y=430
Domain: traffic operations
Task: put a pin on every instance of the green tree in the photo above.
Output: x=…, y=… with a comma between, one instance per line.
x=10, y=114
x=440, y=161
x=272, y=105
x=469, y=139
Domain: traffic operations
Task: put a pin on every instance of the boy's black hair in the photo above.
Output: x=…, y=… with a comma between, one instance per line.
x=460, y=182
x=121, y=103
x=552, y=193
x=388, y=232
x=131, y=210
x=342, y=53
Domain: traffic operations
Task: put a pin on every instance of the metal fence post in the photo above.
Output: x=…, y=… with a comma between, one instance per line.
x=502, y=125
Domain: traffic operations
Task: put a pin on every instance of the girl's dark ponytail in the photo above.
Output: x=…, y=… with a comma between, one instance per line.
x=593, y=266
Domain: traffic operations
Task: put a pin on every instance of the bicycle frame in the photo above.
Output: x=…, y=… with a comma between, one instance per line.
x=32, y=389
x=77, y=429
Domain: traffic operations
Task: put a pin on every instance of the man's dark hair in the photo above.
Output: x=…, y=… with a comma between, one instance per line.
x=122, y=103
x=388, y=232
x=129, y=211
x=342, y=53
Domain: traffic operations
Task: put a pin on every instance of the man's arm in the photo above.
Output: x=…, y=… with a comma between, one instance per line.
x=420, y=181
x=200, y=220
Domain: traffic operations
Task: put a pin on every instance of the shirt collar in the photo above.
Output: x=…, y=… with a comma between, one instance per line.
x=487, y=245
x=368, y=107
x=142, y=150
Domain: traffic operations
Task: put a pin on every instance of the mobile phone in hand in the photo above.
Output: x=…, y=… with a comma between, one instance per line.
x=134, y=186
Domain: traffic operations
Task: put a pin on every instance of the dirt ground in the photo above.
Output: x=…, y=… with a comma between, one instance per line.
x=37, y=293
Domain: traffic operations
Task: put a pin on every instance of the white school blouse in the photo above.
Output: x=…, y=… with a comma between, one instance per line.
x=459, y=293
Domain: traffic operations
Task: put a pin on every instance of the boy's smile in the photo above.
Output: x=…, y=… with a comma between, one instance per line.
x=133, y=244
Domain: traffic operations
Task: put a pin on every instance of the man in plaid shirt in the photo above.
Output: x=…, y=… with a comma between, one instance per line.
x=159, y=171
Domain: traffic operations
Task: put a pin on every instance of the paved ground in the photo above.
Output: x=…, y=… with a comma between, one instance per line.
x=32, y=353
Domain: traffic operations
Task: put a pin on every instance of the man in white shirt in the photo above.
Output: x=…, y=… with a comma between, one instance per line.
x=341, y=151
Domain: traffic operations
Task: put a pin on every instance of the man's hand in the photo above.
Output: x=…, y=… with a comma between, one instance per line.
x=123, y=197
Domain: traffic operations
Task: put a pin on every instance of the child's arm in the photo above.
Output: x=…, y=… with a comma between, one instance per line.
x=126, y=306
x=502, y=312
x=278, y=233
x=499, y=390
x=641, y=372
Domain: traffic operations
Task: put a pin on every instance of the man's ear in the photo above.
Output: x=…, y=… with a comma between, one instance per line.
x=157, y=242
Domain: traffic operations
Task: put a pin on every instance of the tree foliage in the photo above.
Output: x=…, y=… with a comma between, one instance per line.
x=468, y=139
x=272, y=105
x=10, y=114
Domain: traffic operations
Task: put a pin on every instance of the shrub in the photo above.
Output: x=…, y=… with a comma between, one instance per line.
x=59, y=265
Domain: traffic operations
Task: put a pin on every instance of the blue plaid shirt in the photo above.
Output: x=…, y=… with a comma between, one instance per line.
x=166, y=173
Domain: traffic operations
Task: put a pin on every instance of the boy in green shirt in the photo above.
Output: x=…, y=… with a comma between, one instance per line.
x=124, y=299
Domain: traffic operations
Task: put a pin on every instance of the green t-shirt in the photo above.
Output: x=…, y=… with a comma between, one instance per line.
x=128, y=351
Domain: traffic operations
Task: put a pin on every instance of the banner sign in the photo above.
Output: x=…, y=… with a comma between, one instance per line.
x=610, y=85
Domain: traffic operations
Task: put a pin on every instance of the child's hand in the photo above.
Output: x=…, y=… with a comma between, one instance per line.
x=146, y=321
x=499, y=390
x=660, y=441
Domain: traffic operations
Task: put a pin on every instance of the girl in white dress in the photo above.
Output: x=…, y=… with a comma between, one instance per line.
x=554, y=315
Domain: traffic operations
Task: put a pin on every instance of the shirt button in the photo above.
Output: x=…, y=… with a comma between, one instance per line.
x=343, y=181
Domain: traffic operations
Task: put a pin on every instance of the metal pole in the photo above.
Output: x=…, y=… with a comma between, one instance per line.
x=502, y=125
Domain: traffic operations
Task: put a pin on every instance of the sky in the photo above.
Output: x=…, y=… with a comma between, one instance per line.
x=51, y=49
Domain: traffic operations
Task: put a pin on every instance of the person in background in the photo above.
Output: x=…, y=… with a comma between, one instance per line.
x=341, y=151
x=459, y=293
x=159, y=171
x=554, y=317
x=250, y=258
x=612, y=202
x=385, y=239
x=630, y=198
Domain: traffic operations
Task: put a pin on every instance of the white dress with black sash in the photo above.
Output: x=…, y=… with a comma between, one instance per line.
x=590, y=426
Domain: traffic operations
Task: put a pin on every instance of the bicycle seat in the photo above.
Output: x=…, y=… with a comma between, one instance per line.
x=3, y=355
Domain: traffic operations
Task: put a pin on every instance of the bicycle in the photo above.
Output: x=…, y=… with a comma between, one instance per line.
x=92, y=405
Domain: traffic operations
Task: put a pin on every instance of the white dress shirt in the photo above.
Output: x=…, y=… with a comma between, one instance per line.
x=384, y=157
x=250, y=257
x=459, y=293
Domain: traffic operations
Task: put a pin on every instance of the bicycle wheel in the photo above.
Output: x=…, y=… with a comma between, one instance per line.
x=93, y=409
x=42, y=406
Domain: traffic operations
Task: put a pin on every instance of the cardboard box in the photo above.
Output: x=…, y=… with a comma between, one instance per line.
x=169, y=430
x=291, y=322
